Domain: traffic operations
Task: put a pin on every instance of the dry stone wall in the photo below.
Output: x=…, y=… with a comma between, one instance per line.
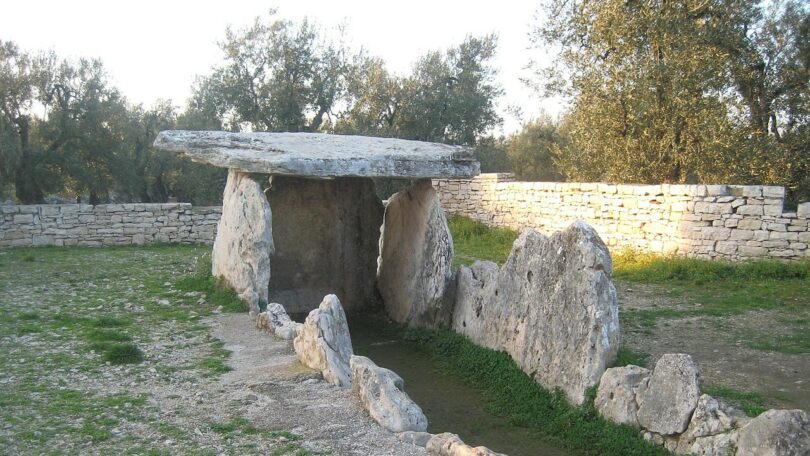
x=732, y=222
x=107, y=224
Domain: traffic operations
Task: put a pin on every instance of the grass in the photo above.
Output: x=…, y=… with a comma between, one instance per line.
x=626, y=357
x=510, y=393
x=217, y=293
x=123, y=354
x=751, y=403
x=476, y=241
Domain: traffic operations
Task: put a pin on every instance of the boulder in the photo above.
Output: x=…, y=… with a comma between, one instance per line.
x=323, y=342
x=776, y=433
x=667, y=400
x=710, y=431
x=244, y=241
x=552, y=307
x=276, y=321
x=382, y=394
x=616, y=396
x=447, y=444
x=414, y=272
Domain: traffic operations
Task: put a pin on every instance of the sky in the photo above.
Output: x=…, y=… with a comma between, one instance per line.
x=154, y=49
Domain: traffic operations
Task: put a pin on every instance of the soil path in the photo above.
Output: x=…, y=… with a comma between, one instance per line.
x=280, y=393
x=719, y=344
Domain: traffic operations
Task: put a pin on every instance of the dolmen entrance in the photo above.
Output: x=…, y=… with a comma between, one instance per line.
x=301, y=219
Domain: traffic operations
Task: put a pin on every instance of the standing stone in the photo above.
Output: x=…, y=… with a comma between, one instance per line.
x=667, y=401
x=553, y=308
x=324, y=344
x=382, y=394
x=616, y=396
x=414, y=271
x=244, y=241
x=776, y=433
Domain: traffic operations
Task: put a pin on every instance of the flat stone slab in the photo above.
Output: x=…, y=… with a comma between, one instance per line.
x=321, y=155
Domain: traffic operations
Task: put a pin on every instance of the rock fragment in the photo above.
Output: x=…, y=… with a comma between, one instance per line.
x=616, y=396
x=667, y=400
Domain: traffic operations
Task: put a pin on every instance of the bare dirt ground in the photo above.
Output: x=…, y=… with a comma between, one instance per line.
x=721, y=345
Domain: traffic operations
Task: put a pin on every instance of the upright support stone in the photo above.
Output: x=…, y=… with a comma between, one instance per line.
x=414, y=272
x=244, y=241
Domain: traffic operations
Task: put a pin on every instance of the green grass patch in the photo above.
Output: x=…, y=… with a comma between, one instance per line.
x=796, y=343
x=650, y=268
x=109, y=322
x=236, y=424
x=214, y=364
x=123, y=354
x=216, y=291
x=626, y=357
x=476, y=241
x=751, y=403
x=511, y=393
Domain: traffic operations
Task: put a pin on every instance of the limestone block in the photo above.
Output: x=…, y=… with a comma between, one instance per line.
x=616, y=396
x=776, y=433
x=708, y=420
x=773, y=192
x=751, y=251
x=414, y=272
x=419, y=439
x=749, y=209
x=244, y=242
x=667, y=401
x=553, y=308
x=726, y=247
x=803, y=211
x=749, y=224
x=276, y=321
x=382, y=394
x=323, y=342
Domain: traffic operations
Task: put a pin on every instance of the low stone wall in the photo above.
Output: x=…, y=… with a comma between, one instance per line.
x=107, y=224
x=730, y=222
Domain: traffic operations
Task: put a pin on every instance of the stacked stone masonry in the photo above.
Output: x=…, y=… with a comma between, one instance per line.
x=731, y=222
x=107, y=224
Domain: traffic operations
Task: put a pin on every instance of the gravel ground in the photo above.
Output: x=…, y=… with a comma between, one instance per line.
x=63, y=311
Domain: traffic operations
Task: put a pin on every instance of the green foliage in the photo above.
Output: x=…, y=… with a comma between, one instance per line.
x=533, y=151
x=123, y=354
x=449, y=97
x=217, y=292
x=491, y=153
x=751, y=403
x=511, y=393
x=710, y=91
x=476, y=241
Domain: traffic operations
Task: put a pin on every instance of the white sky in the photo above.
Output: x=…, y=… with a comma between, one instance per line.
x=153, y=49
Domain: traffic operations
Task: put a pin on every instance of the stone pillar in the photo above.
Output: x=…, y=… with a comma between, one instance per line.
x=326, y=234
x=244, y=241
x=414, y=271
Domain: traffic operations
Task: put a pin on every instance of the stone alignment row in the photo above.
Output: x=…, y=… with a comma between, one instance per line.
x=107, y=224
x=731, y=222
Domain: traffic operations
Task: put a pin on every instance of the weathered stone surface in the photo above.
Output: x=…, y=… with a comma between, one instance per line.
x=667, y=400
x=776, y=433
x=447, y=444
x=326, y=236
x=414, y=272
x=324, y=344
x=616, y=396
x=276, y=321
x=321, y=155
x=382, y=394
x=419, y=439
x=710, y=430
x=244, y=241
x=553, y=308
